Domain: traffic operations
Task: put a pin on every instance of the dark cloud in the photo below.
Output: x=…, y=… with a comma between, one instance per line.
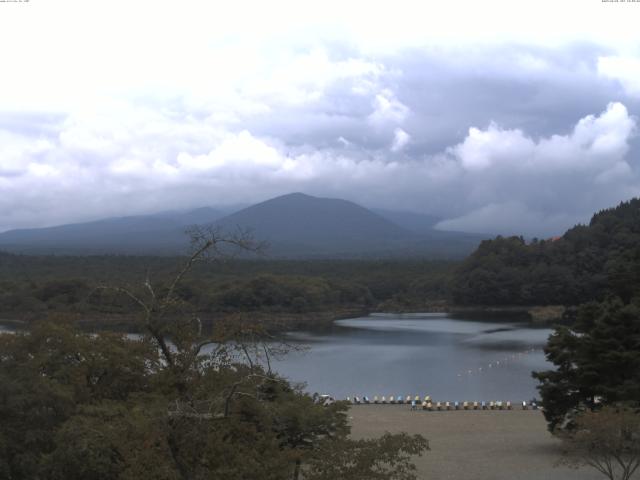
x=503, y=140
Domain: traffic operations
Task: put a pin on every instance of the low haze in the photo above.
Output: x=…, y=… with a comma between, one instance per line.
x=469, y=113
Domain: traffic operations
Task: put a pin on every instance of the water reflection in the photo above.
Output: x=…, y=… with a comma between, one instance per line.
x=418, y=354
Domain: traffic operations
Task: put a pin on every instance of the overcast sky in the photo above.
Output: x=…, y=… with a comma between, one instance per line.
x=497, y=116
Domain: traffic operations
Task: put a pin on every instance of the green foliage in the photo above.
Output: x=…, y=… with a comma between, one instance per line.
x=607, y=440
x=597, y=362
x=268, y=292
x=77, y=406
x=367, y=459
x=586, y=263
x=31, y=286
x=48, y=373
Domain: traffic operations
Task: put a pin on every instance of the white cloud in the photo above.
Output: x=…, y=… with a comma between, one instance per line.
x=528, y=186
x=388, y=109
x=400, y=140
x=625, y=69
x=484, y=149
x=495, y=180
x=510, y=218
x=18, y=153
x=242, y=153
x=594, y=142
x=205, y=104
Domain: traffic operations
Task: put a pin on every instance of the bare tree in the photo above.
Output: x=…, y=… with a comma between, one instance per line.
x=179, y=336
x=607, y=440
x=162, y=318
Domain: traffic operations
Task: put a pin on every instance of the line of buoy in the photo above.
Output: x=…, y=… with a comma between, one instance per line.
x=504, y=361
x=428, y=404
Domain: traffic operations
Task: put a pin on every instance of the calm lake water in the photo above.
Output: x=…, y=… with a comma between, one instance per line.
x=419, y=354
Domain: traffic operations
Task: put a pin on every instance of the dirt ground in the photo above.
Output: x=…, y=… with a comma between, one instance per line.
x=474, y=445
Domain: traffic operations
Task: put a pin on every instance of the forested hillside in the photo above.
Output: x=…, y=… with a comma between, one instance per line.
x=585, y=264
x=38, y=286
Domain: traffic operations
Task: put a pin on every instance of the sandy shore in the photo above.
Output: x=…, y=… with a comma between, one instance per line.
x=475, y=445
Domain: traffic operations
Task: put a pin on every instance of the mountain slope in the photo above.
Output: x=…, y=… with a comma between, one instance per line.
x=294, y=225
x=323, y=223
x=299, y=225
x=159, y=233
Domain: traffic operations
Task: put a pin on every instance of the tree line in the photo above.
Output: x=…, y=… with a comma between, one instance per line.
x=33, y=286
x=587, y=263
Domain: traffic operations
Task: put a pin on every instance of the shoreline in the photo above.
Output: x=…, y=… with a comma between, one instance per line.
x=537, y=314
x=291, y=321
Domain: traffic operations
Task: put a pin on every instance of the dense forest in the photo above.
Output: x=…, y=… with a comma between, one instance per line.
x=586, y=263
x=36, y=286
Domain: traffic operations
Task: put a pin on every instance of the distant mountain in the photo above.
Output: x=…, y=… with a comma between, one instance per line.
x=161, y=233
x=297, y=224
x=294, y=225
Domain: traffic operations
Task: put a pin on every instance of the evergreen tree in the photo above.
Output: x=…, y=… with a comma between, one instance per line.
x=597, y=361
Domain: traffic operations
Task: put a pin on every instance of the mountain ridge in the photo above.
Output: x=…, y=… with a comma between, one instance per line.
x=296, y=225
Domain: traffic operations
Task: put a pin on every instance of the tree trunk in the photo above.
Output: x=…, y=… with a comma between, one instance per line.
x=296, y=471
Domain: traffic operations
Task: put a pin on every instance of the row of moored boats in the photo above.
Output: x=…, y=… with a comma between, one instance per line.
x=427, y=403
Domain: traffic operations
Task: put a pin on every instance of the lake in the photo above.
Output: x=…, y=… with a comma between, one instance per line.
x=418, y=354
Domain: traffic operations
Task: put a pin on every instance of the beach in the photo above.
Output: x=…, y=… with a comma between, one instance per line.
x=474, y=444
